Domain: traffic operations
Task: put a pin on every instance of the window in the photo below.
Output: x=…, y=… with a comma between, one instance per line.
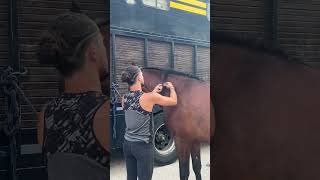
x=159, y=4
x=131, y=1
x=152, y=3
x=162, y=4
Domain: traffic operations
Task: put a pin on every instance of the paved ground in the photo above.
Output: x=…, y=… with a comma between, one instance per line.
x=169, y=172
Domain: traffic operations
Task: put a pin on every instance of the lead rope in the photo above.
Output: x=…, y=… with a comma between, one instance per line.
x=9, y=87
x=114, y=100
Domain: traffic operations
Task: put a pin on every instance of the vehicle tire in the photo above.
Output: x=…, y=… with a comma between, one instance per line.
x=164, y=147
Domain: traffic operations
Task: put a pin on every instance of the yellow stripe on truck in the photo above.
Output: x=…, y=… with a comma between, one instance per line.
x=188, y=8
x=195, y=3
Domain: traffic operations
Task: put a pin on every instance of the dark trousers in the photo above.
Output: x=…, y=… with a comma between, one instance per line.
x=139, y=160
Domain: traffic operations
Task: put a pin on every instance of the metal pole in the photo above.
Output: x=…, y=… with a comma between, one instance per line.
x=113, y=81
x=14, y=61
x=146, y=52
x=275, y=13
x=113, y=58
x=267, y=21
x=271, y=22
x=195, y=59
x=172, y=55
x=12, y=35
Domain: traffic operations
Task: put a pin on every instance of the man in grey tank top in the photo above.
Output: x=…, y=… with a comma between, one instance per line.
x=137, y=105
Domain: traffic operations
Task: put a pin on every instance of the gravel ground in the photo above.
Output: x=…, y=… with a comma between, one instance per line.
x=169, y=172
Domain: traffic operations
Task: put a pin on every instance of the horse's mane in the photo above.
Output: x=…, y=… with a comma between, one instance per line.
x=167, y=71
x=259, y=45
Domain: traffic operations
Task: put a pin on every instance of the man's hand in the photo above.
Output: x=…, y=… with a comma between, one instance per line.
x=158, y=88
x=164, y=100
x=168, y=85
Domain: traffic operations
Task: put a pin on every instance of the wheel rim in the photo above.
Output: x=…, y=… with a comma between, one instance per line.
x=163, y=140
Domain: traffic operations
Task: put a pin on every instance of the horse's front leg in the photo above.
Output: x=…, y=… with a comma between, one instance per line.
x=196, y=159
x=183, y=152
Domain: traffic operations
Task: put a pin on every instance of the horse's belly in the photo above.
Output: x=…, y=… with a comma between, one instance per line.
x=193, y=130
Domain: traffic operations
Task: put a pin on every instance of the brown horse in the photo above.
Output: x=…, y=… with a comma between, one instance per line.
x=267, y=114
x=189, y=120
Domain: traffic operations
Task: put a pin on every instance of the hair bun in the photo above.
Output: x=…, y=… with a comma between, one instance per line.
x=50, y=49
x=125, y=77
x=130, y=74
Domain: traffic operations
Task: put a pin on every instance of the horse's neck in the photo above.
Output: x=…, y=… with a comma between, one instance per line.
x=231, y=60
x=241, y=70
x=184, y=84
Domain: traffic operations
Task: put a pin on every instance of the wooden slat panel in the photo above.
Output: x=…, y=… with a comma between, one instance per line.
x=238, y=17
x=203, y=63
x=183, y=55
x=3, y=47
x=4, y=33
x=98, y=5
x=241, y=3
x=39, y=85
x=128, y=50
x=299, y=25
x=39, y=100
x=41, y=70
x=158, y=54
x=310, y=5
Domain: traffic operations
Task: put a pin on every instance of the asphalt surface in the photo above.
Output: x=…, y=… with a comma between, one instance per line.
x=169, y=172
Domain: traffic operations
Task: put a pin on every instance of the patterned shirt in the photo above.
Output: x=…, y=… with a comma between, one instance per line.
x=69, y=126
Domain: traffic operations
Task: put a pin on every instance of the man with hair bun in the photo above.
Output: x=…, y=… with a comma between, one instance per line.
x=77, y=121
x=138, y=105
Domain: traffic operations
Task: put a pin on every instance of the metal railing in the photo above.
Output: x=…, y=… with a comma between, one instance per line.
x=12, y=125
x=114, y=99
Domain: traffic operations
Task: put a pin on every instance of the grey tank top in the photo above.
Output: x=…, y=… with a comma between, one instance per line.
x=139, y=124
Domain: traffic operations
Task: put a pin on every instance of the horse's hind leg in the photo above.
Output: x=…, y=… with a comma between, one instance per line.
x=183, y=152
x=196, y=159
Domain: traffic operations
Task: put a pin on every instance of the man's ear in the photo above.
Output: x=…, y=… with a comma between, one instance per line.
x=140, y=78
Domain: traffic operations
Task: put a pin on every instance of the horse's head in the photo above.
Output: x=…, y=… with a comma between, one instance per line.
x=152, y=77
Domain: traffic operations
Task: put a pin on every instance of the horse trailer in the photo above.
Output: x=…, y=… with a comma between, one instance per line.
x=156, y=33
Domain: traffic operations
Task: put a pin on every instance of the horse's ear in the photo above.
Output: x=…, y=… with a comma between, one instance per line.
x=75, y=7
